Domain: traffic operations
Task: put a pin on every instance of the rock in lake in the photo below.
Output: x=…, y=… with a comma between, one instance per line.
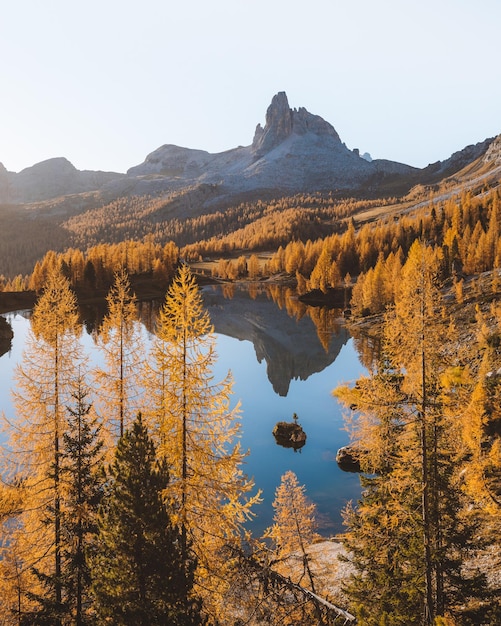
x=289, y=435
x=347, y=459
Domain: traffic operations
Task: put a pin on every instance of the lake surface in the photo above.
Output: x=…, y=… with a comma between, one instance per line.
x=285, y=358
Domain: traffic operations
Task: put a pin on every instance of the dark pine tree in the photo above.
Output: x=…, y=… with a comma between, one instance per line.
x=82, y=469
x=138, y=571
x=50, y=610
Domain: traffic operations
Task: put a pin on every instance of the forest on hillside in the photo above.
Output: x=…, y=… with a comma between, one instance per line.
x=27, y=234
x=318, y=242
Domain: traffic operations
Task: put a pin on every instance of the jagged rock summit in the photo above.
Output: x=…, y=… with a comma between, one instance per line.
x=281, y=122
x=295, y=151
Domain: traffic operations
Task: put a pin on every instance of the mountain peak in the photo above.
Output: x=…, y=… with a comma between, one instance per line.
x=282, y=121
x=55, y=166
x=277, y=128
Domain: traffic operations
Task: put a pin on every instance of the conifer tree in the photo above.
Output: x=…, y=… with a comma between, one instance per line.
x=407, y=529
x=82, y=459
x=12, y=587
x=479, y=428
x=294, y=527
x=45, y=380
x=119, y=338
x=141, y=575
x=253, y=267
x=197, y=433
x=325, y=274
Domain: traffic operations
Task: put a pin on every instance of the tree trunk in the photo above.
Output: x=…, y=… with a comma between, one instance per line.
x=429, y=610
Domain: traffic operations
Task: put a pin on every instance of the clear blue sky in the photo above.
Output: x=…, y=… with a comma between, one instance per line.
x=105, y=82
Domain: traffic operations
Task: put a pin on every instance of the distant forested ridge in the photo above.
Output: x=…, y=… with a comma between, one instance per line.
x=322, y=243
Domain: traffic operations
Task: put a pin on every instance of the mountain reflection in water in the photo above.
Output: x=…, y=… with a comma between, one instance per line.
x=295, y=340
x=304, y=353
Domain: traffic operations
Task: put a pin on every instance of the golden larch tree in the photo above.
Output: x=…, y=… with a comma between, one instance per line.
x=120, y=341
x=45, y=380
x=294, y=527
x=292, y=533
x=197, y=434
x=404, y=421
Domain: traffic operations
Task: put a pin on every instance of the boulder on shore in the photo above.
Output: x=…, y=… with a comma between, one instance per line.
x=6, y=336
x=347, y=459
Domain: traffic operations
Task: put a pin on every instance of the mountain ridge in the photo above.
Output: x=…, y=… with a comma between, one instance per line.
x=296, y=151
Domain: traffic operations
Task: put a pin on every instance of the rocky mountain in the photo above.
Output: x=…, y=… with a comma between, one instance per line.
x=49, y=179
x=295, y=151
x=462, y=158
x=493, y=152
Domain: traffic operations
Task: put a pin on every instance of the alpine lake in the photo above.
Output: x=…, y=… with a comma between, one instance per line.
x=285, y=359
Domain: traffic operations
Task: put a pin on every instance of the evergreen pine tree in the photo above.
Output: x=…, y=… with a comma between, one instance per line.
x=49, y=608
x=82, y=471
x=140, y=572
x=80, y=461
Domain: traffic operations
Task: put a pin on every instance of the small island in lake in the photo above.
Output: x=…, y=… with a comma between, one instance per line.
x=290, y=434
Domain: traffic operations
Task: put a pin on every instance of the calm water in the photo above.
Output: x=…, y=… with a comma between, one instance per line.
x=284, y=359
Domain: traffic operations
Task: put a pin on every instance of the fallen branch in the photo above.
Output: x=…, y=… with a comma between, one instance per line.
x=287, y=582
x=275, y=579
